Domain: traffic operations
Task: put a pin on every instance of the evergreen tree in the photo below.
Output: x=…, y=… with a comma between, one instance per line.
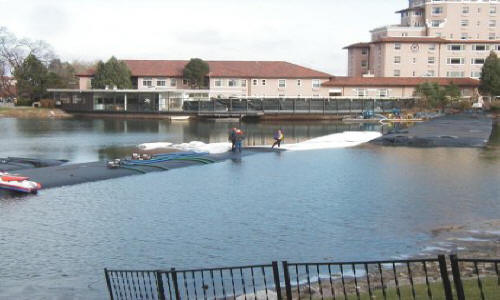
x=490, y=76
x=112, y=73
x=32, y=79
x=196, y=71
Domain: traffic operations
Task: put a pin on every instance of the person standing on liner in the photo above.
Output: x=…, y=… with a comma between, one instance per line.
x=278, y=137
x=232, y=138
x=240, y=136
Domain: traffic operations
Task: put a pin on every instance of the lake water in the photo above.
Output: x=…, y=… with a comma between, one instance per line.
x=367, y=202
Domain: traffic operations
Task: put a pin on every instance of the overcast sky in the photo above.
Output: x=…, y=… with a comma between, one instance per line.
x=307, y=32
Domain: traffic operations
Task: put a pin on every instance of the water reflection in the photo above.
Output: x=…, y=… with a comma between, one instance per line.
x=91, y=139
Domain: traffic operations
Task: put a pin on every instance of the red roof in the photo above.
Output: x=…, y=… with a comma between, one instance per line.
x=358, y=45
x=245, y=69
x=398, y=81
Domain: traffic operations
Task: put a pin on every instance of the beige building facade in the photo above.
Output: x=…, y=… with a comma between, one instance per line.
x=238, y=79
x=436, y=38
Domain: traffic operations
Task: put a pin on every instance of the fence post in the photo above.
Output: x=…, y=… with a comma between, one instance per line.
x=288, y=286
x=455, y=269
x=324, y=105
x=310, y=104
x=108, y=283
x=175, y=284
x=159, y=285
x=444, y=277
x=276, y=275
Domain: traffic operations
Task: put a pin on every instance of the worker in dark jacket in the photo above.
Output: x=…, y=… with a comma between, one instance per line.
x=240, y=136
x=232, y=138
x=278, y=138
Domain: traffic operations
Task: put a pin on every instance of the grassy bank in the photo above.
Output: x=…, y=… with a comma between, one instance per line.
x=32, y=113
x=491, y=289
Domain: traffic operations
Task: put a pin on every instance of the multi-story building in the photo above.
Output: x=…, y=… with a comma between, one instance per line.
x=436, y=38
x=226, y=78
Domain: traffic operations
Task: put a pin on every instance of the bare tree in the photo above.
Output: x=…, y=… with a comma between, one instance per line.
x=13, y=51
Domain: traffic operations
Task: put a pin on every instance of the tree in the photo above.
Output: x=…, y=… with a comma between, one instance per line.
x=62, y=74
x=32, y=79
x=112, y=73
x=196, y=71
x=433, y=95
x=490, y=76
x=14, y=51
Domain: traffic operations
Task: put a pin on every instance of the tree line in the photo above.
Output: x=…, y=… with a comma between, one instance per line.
x=36, y=68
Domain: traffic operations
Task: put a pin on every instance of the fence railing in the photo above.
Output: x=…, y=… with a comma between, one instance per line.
x=385, y=279
x=476, y=278
x=292, y=106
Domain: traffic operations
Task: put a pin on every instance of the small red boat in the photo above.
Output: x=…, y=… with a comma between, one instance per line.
x=18, y=184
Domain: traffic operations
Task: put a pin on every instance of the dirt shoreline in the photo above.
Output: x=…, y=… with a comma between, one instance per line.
x=33, y=113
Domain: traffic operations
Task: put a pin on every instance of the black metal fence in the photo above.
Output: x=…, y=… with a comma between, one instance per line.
x=432, y=278
x=290, y=106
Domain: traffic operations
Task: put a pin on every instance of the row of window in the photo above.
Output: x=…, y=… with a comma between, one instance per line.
x=438, y=10
x=148, y=82
x=360, y=92
x=316, y=83
x=455, y=47
x=432, y=60
x=463, y=23
x=432, y=73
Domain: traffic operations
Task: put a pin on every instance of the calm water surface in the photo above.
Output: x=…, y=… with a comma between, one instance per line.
x=358, y=203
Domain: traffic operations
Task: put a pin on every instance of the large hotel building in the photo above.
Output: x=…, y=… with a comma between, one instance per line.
x=436, y=38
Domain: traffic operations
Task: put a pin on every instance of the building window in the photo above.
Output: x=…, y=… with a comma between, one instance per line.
x=299, y=82
x=498, y=48
x=243, y=83
x=437, y=10
x=255, y=82
x=436, y=23
x=232, y=83
x=281, y=95
x=147, y=82
x=430, y=73
x=432, y=47
x=493, y=9
x=316, y=84
x=464, y=36
x=218, y=82
x=383, y=93
x=161, y=83
x=455, y=61
x=477, y=61
x=492, y=36
x=465, y=10
x=185, y=82
x=281, y=83
x=492, y=23
x=173, y=82
x=456, y=47
x=397, y=59
x=263, y=82
x=397, y=46
x=364, y=51
x=480, y=47
x=414, y=60
x=361, y=93
x=455, y=74
x=364, y=63
x=431, y=60
x=475, y=74
x=464, y=23
x=397, y=73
